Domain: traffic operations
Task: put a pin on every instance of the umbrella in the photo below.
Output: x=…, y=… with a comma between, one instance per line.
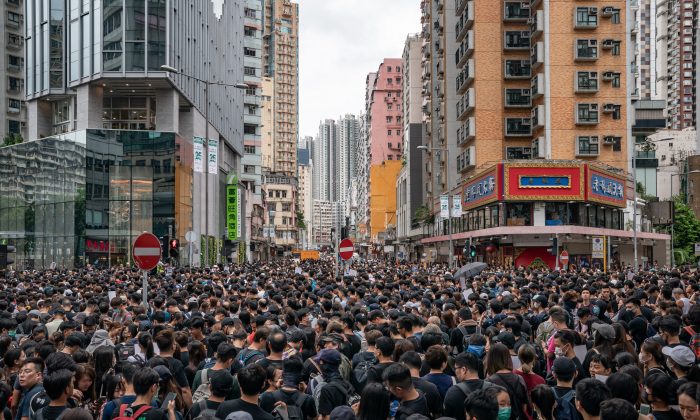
x=470, y=270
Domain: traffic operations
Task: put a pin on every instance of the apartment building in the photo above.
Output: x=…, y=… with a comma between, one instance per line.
x=14, y=113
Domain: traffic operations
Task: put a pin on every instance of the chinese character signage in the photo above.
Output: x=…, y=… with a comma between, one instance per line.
x=606, y=189
x=544, y=181
x=456, y=206
x=527, y=181
x=232, y=210
x=480, y=191
x=213, y=160
x=444, y=207
x=198, y=154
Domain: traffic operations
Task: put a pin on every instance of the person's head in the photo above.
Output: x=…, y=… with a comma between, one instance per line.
x=543, y=400
x=277, y=342
x=503, y=401
x=618, y=409
x=527, y=356
x=436, y=357
x=85, y=380
x=397, y=378
x=220, y=383
x=481, y=405
x=375, y=402
x=590, y=393
x=688, y=400
x=252, y=379
x=564, y=370
x=31, y=372
x=467, y=365
x=385, y=347
x=564, y=342
x=59, y=384
x=633, y=305
x=679, y=358
x=600, y=365
x=658, y=389
x=558, y=319
x=146, y=382
x=225, y=354
x=624, y=386
x=77, y=414
x=651, y=351
x=412, y=360
x=498, y=358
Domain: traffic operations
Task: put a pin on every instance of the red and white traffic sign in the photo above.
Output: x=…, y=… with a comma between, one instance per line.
x=346, y=249
x=564, y=257
x=146, y=251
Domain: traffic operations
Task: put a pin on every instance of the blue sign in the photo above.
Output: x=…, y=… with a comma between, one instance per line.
x=480, y=189
x=555, y=181
x=607, y=187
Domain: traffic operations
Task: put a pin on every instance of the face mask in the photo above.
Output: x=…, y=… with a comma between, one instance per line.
x=503, y=413
x=669, y=365
x=558, y=352
x=596, y=310
x=642, y=358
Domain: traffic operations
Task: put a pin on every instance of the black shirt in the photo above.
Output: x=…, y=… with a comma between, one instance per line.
x=417, y=406
x=375, y=374
x=266, y=362
x=228, y=407
x=197, y=409
x=454, y=399
x=667, y=415
x=52, y=412
x=268, y=400
x=178, y=371
x=152, y=414
x=333, y=394
x=432, y=395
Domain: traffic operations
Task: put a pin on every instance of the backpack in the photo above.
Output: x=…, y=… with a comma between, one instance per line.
x=244, y=357
x=466, y=391
x=39, y=415
x=205, y=412
x=345, y=368
x=202, y=393
x=294, y=411
x=359, y=374
x=566, y=410
x=694, y=341
x=126, y=351
x=125, y=412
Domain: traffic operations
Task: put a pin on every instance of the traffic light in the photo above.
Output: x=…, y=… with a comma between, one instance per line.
x=555, y=246
x=5, y=260
x=472, y=251
x=164, y=245
x=174, y=248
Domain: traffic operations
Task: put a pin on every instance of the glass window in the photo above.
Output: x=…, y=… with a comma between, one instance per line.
x=157, y=23
x=556, y=214
x=74, y=50
x=519, y=214
x=135, y=16
x=112, y=36
x=87, y=53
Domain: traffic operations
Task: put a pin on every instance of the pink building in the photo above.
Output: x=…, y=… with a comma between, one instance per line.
x=386, y=127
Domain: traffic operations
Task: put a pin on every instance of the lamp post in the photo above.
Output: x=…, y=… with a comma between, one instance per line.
x=207, y=84
x=449, y=197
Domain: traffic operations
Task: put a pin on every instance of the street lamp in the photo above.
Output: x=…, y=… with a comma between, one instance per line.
x=207, y=83
x=449, y=196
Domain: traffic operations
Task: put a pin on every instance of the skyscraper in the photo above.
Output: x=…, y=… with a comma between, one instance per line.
x=12, y=69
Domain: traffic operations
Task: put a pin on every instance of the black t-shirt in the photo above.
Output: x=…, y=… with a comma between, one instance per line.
x=228, y=407
x=266, y=362
x=667, y=415
x=431, y=394
x=52, y=412
x=197, y=409
x=375, y=374
x=517, y=390
x=152, y=414
x=454, y=399
x=355, y=344
x=178, y=371
x=268, y=400
x=417, y=406
x=333, y=394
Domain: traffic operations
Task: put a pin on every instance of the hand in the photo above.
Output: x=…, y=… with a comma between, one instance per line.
x=356, y=408
x=281, y=405
x=77, y=394
x=171, y=407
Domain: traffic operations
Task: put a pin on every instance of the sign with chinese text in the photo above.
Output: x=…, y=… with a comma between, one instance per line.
x=198, y=154
x=606, y=188
x=598, y=247
x=232, y=210
x=482, y=190
x=456, y=206
x=213, y=160
x=544, y=181
x=444, y=207
x=527, y=181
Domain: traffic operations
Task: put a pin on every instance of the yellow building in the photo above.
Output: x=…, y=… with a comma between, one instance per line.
x=382, y=191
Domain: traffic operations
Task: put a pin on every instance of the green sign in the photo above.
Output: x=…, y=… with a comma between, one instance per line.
x=232, y=210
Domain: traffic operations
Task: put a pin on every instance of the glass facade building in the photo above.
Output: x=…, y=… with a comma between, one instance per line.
x=83, y=197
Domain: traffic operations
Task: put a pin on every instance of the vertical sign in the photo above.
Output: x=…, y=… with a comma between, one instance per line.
x=232, y=203
x=456, y=206
x=597, y=247
x=444, y=207
x=198, y=154
x=213, y=159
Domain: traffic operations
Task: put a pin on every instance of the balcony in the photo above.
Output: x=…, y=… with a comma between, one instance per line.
x=516, y=40
x=465, y=49
x=517, y=69
x=537, y=86
x=15, y=42
x=536, y=23
x=467, y=131
x=465, y=105
x=538, y=148
x=516, y=11
x=465, y=77
x=464, y=21
x=460, y=5
x=537, y=116
x=518, y=127
x=537, y=54
x=518, y=98
x=466, y=159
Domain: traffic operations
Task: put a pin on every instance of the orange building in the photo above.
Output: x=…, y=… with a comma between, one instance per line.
x=382, y=192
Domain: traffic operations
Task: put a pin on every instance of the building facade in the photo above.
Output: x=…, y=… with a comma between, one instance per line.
x=280, y=192
x=14, y=113
x=305, y=195
x=643, y=41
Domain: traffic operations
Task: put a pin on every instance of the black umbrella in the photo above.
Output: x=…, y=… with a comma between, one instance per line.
x=470, y=270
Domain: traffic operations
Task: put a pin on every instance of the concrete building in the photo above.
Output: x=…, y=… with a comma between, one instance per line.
x=348, y=138
x=281, y=63
x=268, y=120
x=677, y=45
x=362, y=168
x=544, y=122
x=305, y=193
x=643, y=36
x=324, y=156
x=142, y=158
x=14, y=113
x=280, y=192
x=409, y=184
x=672, y=149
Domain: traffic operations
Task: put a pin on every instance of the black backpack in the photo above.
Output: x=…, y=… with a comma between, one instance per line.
x=294, y=411
x=360, y=373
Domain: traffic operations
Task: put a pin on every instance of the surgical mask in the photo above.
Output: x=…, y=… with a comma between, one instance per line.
x=503, y=413
x=558, y=352
x=669, y=365
x=642, y=358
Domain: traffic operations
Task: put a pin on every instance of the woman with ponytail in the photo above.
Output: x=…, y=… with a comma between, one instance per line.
x=528, y=356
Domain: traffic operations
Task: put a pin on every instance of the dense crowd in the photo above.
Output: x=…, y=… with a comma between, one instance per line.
x=290, y=341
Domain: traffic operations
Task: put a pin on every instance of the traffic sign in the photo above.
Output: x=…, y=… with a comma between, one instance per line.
x=598, y=247
x=564, y=257
x=146, y=251
x=346, y=249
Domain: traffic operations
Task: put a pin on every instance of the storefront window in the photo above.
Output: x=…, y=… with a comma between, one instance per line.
x=556, y=214
x=519, y=214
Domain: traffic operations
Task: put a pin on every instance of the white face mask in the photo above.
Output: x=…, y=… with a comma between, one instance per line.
x=558, y=352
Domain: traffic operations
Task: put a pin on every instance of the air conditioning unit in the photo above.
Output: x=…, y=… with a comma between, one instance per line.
x=592, y=11
x=608, y=75
x=609, y=108
x=609, y=140
x=608, y=43
x=608, y=11
x=593, y=107
x=593, y=140
x=538, y=151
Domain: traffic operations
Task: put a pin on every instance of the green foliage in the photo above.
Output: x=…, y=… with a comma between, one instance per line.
x=301, y=223
x=12, y=138
x=686, y=232
x=538, y=264
x=424, y=215
x=643, y=193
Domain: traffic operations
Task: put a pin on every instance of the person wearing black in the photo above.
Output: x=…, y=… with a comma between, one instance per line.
x=660, y=394
x=384, y=352
x=412, y=360
x=335, y=391
x=638, y=325
x=480, y=405
x=146, y=382
x=397, y=378
x=251, y=379
x=466, y=328
x=289, y=392
x=467, y=367
x=276, y=344
x=166, y=343
x=220, y=386
x=564, y=372
x=59, y=388
x=591, y=393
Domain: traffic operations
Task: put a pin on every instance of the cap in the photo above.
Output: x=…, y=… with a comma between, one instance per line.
x=506, y=338
x=33, y=313
x=330, y=356
x=192, y=300
x=163, y=372
x=607, y=331
x=681, y=355
x=563, y=366
x=343, y=412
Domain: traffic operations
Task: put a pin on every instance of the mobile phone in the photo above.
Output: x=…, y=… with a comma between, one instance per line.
x=170, y=397
x=644, y=409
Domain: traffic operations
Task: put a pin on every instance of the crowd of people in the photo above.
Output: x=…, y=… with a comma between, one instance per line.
x=288, y=340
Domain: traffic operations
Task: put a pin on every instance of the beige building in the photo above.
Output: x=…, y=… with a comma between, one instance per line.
x=267, y=136
x=305, y=201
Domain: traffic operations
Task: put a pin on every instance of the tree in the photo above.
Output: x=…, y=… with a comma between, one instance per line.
x=686, y=231
x=423, y=215
x=642, y=192
x=12, y=138
x=301, y=223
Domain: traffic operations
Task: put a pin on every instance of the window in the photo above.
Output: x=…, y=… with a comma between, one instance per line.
x=518, y=126
x=15, y=18
x=616, y=80
x=388, y=95
x=615, y=17
x=286, y=206
x=388, y=132
x=586, y=81
x=398, y=69
x=388, y=69
x=587, y=114
x=249, y=71
x=389, y=80
x=615, y=48
x=14, y=84
x=13, y=126
x=388, y=106
x=518, y=97
x=586, y=49
x=249, y=31
x=587, y=145
x=15, y=62
x=390, y=157
x=517, y=40
x=518, y=153
x=389, y=119
x=14, y=105
x=517, y=68
x=249, y=52
x=249, y=150
x=248, y=169
x=398, y=132
x=249, y=129
x=250, y=13
x=586, y=17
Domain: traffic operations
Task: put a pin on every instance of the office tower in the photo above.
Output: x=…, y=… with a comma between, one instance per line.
x=12, y=71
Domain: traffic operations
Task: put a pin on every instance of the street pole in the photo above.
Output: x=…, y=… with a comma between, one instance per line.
x=634, y=206
x=144, y=288
x=449, y=208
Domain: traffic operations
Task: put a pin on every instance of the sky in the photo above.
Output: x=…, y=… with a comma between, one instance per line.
x=340, y=41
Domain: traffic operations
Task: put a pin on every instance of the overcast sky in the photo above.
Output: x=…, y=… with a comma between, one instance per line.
x=340, y=41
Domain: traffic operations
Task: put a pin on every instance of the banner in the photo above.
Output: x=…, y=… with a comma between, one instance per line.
x=456, y=206
x=198, y=154
x=232, y=210
x=213, y=160
x=444, y=207
x=597, y=247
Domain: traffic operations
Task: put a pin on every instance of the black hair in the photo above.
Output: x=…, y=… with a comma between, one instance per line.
x=623, y=385
x=386, y=346
x=618, y=409
x=144, y=379
x=55, y=383
x=252, y=379
x=59, y=361
x=225, y=352
x=375, y=402
x=591, y=393
x=398, y=375
x=481, y=405
x=661, y=387
x=544, y=398
x=222, y=388
x=411, y=359
x=127, y=370
x=277, y=342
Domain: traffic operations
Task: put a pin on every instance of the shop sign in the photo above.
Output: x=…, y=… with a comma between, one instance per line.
x=444, y=207
x=544, y=181
x=480, y=191
x=213, y=159
x=232, y=210
x=606, y=189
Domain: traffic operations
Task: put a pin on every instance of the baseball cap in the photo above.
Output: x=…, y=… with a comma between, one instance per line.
x=163, y=372
x=330, y=356
x=34, y=313
x=506, y=338
x=607, y=331
x=681, y=355
x=563, y=366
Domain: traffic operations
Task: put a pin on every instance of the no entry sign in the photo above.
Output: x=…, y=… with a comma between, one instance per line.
x=564, y=257
x=346, y=249
x=146, y=251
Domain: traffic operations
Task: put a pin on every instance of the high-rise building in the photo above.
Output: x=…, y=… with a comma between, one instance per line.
x=304, y=196
x=323, y=154
x=677, y=61
x=142, y=160
x=14, y=113
x=362, y=166
x=348, y=137
x=281, y=63
x=643, y=46
x=543, y=129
